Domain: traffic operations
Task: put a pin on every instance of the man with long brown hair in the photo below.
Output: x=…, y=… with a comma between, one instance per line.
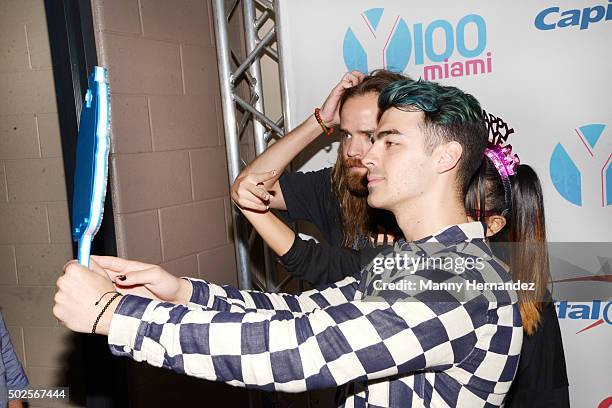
x=333, y=199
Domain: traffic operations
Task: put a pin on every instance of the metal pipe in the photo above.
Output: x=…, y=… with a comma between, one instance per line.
x=253, y=54
x=261, y=20
x=252, y=237
x=230, y=10
x=246, y=117
x=265, y=4
x=231, y=137
x=271, y=53
x=258, y=114
x=282, y=283
x=254, y=48
x=284, y=89
x=236, y=60
x=269, y=135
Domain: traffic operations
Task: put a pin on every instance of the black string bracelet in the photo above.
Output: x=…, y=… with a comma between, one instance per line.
x=93, y=330
x=99, y=300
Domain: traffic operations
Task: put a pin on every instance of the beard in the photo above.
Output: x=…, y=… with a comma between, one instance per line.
x=356, y=182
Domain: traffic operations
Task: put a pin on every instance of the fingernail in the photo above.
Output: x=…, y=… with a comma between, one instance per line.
x=121, y=277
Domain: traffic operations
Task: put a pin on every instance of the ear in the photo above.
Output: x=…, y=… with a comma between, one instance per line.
x=495, y=223
x=448, y=156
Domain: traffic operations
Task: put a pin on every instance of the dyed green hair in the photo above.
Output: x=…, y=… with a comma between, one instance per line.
x=450, y=115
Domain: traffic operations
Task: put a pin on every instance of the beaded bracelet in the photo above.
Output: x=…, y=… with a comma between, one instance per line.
x=93, y=330
x=328, y=131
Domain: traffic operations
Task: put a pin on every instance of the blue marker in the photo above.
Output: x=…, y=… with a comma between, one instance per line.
x=91, y=171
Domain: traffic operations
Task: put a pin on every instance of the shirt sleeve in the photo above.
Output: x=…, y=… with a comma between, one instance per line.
x=14, y=373
x=307, y=196
x=327, y=347
x=227, y=298
x=320, y=264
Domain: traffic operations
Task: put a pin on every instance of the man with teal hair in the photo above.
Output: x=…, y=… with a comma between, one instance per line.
x=385, y=348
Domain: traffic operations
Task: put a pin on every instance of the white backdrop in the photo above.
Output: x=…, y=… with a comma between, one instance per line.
x=543, y=66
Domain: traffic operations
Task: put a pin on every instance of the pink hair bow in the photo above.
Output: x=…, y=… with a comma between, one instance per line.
x=504, y=161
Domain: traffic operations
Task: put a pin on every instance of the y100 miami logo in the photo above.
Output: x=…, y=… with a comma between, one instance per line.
x=595, y=313
x=378, y=39
x=583, y=172
x=553, y=17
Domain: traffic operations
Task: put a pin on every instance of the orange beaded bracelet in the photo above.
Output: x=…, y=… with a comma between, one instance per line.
x=317, y=113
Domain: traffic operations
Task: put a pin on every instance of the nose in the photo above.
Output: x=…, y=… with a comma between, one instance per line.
x=357, y=147
x=370, y=158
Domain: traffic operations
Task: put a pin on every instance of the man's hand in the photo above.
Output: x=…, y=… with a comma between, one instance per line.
x=145, y=280
x=330, y=111
x=249, y=193
x=79, y=288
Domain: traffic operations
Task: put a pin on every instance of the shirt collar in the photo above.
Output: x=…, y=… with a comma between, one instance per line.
x=457, y=233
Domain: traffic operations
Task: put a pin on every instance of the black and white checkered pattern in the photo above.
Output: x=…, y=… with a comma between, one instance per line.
x=395, y=354
x=228, y=298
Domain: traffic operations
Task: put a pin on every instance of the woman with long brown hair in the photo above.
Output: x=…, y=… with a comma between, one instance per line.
x=507, y=197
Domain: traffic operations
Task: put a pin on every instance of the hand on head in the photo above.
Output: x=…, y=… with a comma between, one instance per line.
x=330, y=110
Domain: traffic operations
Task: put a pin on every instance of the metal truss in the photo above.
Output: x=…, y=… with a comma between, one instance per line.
x=244, y=115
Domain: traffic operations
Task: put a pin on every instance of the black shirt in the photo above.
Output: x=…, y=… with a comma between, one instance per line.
x=322, y=264
x=541, y=377
x=308, y=196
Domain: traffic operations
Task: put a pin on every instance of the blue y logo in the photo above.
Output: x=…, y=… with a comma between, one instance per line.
x=387, y=40
x=568, y=178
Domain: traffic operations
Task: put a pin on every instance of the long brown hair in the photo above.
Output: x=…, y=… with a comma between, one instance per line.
x=354, y=211
x=525, y=231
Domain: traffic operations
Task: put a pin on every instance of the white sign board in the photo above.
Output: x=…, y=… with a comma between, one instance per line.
x=543, y=66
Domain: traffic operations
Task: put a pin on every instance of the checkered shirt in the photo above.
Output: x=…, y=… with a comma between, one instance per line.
x=385, y=353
